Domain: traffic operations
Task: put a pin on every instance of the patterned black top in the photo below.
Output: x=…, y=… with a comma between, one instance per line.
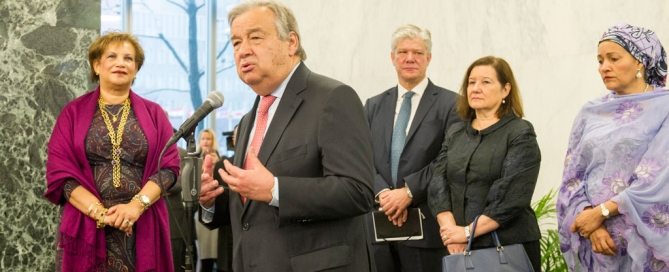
x=134, y=150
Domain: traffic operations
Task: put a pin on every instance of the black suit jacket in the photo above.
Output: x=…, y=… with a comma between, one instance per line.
x=434, y=115
x=319, y=146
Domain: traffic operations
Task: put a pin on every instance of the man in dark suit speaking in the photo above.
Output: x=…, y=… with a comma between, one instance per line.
x=408, y=123
x=300, y=182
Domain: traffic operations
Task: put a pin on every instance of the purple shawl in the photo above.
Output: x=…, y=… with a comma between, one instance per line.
x=84, y=247
x=618, y=151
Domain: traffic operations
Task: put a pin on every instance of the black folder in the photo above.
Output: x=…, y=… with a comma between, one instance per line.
x=384, y=230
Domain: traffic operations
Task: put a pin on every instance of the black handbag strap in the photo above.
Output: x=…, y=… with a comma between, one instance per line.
x=495, y=238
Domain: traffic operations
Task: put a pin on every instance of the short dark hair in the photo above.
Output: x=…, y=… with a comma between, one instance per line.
x=100, y=44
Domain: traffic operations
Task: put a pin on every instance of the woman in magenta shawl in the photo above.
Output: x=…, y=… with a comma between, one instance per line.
x=102, y=168
x=613, y=204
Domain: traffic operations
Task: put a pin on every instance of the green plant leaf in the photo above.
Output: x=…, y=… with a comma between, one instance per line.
x=551, y=256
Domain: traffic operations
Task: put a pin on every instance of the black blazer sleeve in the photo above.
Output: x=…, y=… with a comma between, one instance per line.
x=439, y=193
x=512, y=192
x=371, y=106
x=419, y=181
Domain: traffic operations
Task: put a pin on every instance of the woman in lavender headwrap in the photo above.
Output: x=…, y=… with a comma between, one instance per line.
x=613, y=204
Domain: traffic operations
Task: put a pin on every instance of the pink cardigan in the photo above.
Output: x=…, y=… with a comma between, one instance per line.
x=84, y=247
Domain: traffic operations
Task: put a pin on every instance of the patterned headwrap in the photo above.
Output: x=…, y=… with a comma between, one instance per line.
x=644, y=45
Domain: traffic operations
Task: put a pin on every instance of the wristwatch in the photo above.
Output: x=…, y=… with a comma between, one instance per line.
x=409, y=194
x=144, y=200
x=605, y=211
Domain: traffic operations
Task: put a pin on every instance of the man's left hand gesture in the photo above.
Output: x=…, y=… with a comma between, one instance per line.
x=255, y=183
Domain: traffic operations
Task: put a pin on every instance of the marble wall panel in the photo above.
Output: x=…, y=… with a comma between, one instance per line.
x=43, y=65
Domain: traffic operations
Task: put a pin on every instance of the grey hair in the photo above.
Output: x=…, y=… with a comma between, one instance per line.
x=284, y=19
x=410, y=31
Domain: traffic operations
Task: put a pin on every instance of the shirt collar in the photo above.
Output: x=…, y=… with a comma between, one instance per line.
x=418, y=90
x=282, y=88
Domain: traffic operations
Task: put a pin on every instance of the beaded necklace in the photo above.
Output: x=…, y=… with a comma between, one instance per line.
x=116, y=137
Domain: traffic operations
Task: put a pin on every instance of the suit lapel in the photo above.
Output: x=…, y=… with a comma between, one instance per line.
x=288, y=105
x=387, y=112
x=245, y=127
x=424, y=107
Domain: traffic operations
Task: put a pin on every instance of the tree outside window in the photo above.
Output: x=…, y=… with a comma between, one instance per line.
x=173, y=34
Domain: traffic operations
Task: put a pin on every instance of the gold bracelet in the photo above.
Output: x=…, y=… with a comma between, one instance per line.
x=100, y=219
x=91, y=210
x=143, y=200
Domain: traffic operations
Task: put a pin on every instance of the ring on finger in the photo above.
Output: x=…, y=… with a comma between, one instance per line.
x=126, y=221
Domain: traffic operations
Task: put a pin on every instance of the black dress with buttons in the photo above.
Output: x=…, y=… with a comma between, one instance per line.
x=491, y=172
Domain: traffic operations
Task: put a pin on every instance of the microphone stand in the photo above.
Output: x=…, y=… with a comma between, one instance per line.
x=190, y=185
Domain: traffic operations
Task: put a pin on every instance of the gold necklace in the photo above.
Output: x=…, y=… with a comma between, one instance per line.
x=116, y=137
x=114, y=116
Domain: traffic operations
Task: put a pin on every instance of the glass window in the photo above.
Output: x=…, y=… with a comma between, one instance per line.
x=110, y=13
x=239, y=97
x=174, y=37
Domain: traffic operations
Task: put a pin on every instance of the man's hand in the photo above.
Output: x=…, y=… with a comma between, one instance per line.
x=209, y=188
x=254, y=183
x=394, y=203
x=400, y=219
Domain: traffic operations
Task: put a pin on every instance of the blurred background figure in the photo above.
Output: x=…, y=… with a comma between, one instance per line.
x=224, y=261
x=177, y=212
x=209, y=144
x=207, y=239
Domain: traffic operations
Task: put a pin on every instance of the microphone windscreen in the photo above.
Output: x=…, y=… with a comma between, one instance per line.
x=216, y=99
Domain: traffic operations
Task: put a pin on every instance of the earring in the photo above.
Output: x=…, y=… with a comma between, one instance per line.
x=638, y=73
x=503, y=101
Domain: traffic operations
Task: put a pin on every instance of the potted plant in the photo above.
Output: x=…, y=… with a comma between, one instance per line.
x=551, y=256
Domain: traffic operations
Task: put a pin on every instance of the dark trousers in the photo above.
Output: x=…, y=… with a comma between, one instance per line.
x=178, y=254
x=397, y=257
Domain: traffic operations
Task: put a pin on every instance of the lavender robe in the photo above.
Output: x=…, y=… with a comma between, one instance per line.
x=619, y=151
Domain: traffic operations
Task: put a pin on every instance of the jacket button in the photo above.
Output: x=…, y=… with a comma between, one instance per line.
x=245, y=226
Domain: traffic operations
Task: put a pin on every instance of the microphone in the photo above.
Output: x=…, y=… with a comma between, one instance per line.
x=214, y=100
